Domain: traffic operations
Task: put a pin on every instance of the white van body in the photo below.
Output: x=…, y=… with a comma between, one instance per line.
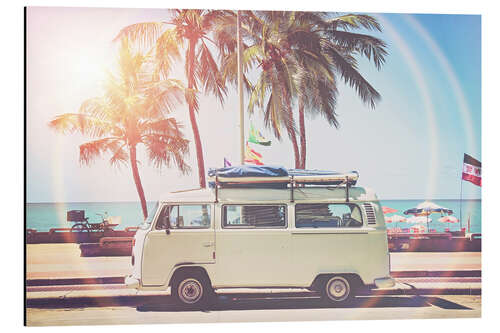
x=288, y=255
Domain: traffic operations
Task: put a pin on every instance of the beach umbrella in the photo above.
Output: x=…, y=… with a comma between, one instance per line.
x=419, y=229
x=418, y=219
x=448, y=219
x=427, y=208
x=394, y=230
x=388, y=210
x=395, y=218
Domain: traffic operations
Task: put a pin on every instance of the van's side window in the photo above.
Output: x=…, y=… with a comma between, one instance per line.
x=328, y=216
x=254, y=216
x=184, y=217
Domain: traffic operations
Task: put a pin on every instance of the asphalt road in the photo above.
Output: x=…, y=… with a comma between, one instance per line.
x=233, y=309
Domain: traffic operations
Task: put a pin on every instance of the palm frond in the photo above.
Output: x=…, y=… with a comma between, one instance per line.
x=272, y=117
x=165, y=150
x=162, y=97
x=229, y=67
x=257, y=94
x=95, y=107
x=145, y=34
x=353, y=78
x=368, y=46
x=353, y=21
x=210, y=75
x=120, y=156
x=75, y=122
x=167, y=50
x=191, y=96
x=89, y=151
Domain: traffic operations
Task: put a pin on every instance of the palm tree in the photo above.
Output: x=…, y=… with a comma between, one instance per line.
x=267, y=49
x=130, y=113
x=202, y=71
x=300, y=55
x=331, y=38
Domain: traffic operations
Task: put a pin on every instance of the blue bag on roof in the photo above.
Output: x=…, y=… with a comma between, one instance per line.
x=234, y=176
x=249, y=171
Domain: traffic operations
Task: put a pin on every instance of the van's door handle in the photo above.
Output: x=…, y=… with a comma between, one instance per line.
x=208, y=244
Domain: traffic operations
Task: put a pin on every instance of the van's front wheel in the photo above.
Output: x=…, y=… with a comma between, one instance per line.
x=337, y=290
x=191, y=290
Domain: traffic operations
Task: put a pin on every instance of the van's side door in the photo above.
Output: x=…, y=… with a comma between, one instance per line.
x=253, y=246
x=183, y=233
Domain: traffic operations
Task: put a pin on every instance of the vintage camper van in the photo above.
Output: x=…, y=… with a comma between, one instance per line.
x=317, y=231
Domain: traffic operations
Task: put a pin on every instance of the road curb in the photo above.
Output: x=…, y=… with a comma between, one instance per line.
x=75, y=281
x=417, y=274
x=426, y=291
x=137, y=300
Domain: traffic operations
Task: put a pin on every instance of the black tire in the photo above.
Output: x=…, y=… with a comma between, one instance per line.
x=338, y=290
x=81, y=232
x=192, y=290
x=79, y=227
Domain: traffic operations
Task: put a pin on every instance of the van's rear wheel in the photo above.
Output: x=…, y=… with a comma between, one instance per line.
x=191, y=290
x=337, y=290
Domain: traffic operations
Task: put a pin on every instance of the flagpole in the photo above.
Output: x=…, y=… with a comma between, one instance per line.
x=240, y=90
x=461, y=185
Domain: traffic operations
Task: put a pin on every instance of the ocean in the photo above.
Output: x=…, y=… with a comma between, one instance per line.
x=44, y=216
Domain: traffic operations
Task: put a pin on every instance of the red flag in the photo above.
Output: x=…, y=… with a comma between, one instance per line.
x=471, y=170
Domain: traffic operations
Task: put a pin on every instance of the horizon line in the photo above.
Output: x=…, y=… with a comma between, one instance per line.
x=134, y=201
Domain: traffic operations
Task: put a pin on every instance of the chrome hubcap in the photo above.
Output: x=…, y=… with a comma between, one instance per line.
x=338, y=289
x=190, y=291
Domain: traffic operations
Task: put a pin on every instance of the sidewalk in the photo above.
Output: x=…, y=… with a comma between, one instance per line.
x=59, y=261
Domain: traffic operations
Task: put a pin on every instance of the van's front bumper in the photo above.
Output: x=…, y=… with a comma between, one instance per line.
x=132, y=282
x=386, y=282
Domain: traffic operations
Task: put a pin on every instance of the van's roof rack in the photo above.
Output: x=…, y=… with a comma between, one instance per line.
x=277, y=177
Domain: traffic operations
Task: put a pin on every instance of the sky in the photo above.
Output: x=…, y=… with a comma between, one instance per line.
x=410, y=146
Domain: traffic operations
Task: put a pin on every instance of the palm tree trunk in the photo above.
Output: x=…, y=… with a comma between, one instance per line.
x=199, y=148
x=137, y=180
x=292, y=134
x=192, y=114
x=296, y=153
x=302, y=130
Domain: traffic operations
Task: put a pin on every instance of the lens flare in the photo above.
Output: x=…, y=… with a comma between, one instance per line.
x=428, y=106
x=452, y=78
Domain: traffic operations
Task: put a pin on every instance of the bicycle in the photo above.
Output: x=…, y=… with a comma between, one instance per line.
x=83, y=224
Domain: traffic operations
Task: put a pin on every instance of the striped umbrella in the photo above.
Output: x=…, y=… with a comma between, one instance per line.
x=418, y=219
x=395, y=218
x=388, y=210
x=427, y=208
x=448, y=219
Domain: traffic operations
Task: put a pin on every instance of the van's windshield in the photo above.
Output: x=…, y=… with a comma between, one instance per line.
x=151, y=215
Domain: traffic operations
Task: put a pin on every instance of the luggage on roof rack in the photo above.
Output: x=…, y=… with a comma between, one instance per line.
x=277, y=177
